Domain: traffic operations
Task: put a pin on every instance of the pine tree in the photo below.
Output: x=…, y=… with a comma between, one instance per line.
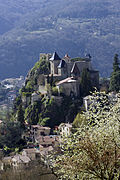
x=86, y=86
x=115, y=76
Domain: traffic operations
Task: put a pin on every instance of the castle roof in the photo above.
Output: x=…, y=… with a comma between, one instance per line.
x=75, y=70
x=62, y=64
x=55, y=57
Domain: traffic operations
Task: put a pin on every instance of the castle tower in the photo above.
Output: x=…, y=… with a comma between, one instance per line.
x=62, y=69
x=66, y=58
x=54, y=62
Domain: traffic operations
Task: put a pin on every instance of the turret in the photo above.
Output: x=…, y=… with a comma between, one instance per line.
x=62, y=69
x=54, y=62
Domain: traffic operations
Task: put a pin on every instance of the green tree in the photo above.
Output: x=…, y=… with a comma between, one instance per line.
x=93, y=151
x=10, y=134
x=20, y=116
x=115, y=76
x=86, y=86
x=32, y=113
x=16, y=103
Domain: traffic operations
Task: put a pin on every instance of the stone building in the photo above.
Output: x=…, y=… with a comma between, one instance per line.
x=69, y=86
x=66, y=72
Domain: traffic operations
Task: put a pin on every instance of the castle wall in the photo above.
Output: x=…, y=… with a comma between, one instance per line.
x=63, y=72
x=51, y=67
x=69, y=68
x=70, y=87
x=54, y=66
x=80, y=64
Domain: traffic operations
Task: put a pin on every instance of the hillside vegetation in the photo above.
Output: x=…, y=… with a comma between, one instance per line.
x=29, y=27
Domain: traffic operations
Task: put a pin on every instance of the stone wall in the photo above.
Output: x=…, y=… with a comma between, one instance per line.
x=70, y=88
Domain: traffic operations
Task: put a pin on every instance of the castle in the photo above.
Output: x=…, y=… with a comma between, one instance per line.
x=67, y=72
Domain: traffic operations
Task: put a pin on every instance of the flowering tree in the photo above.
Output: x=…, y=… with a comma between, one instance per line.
x=93, y=152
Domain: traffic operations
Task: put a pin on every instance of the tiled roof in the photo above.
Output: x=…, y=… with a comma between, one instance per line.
x=30, y=150
x=47, y=139
x=21, y=159
x=67, y=80
x=25, y=159
x=55, y=57
x=46, y=150
x=7, y=158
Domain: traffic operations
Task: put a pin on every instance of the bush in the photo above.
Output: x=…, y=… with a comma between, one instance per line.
x=55, y=91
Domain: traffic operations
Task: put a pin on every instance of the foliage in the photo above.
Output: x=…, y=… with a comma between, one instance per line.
x=29, y=86
x=86, y=86
x=55, y=91
x=32, y=113
x=44, y=121
x=16, y=103
x=93, y=151
x=52, y=113
x=41, y=67
x=104, y=84
x=79, y=119
x=77, y=59
x=115, y=76
x=20, y=116
x=10, y=134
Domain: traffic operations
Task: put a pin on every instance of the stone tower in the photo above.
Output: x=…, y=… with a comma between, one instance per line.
x=54, y=62
x=62, y=69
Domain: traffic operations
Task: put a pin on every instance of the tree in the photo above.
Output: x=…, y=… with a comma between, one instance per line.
x=86, y=86
x=16, y=103
x=32, y=113
x=10, y=134
x=93, y=152
x=20, y=116
x=115, y=76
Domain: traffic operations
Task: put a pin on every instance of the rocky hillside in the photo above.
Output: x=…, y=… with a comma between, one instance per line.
x=29, y=27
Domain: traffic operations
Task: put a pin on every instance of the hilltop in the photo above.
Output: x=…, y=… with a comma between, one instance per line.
x=75, y=27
